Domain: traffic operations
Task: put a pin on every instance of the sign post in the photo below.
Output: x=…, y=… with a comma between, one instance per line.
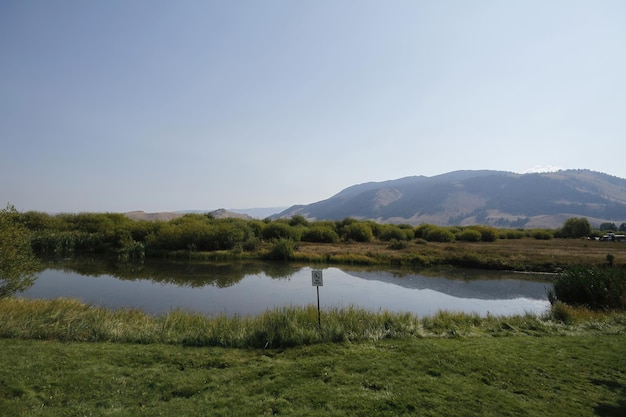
x=317, y=280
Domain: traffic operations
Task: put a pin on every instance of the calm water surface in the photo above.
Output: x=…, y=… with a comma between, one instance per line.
x=243, y=289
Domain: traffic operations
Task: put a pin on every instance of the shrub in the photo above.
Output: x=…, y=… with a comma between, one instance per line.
x=562, y=312
x=67, y=242
x=513, y=234
x=439, y=234
x=487, y=234
x=420, y=231
x=469, y=235
x=608, y=227
x=398, y=244
x=132, y=250
x=257, y=226
x=541, y=234
x=358, y=231
x=277, y=230
x=320, y=234
x=283, y=250
x=394, y=232
x=298, y=220
x=251, y=245
x=18, y=264
x=228, y=233
x=575, y=227
x=598, y=288
x=610, y=259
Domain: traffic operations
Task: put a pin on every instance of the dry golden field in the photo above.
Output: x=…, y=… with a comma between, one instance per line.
x=516, y=254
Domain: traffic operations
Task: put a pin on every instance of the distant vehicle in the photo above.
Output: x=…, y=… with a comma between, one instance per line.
x=612, y=237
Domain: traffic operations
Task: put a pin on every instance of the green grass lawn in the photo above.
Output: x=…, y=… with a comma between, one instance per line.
x=582, y=375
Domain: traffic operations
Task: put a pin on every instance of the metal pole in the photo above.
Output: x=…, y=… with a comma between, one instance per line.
x=319, y=320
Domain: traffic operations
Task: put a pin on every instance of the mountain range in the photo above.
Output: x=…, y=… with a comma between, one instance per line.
x=497, y=198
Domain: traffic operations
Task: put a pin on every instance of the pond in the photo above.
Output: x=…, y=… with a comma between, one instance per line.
x=240, y=288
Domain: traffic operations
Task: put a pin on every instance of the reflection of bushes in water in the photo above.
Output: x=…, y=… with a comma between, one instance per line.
x=280, y=270
x=450, y=273
x=225, y=274
x=91, y=266
x=192, y=274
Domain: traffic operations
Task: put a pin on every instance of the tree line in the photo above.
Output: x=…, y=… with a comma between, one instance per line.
x=62, y=234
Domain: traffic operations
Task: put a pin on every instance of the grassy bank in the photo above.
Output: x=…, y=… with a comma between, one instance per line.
x=64, y=358
x=73, y=321
x=483, y=376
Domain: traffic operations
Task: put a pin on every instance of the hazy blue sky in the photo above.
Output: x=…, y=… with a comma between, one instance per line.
x=173, y=105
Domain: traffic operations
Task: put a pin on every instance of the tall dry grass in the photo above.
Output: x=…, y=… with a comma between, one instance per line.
x=71, y=320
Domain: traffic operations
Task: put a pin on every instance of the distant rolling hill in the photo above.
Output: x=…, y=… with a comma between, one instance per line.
x=496, y=198
x=165, y=216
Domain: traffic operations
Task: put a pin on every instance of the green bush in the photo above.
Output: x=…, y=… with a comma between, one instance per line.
x=132, y=250
x=298, y=220
x=394, y=232
x=575, y=227
x=257, y=226
x=398, y=244
x=252, y=244
x=541, y=234
x=487, y=234
x=18, y=264
x=278, y=230
x=598, y=288
x=439, y=234
x=230, y=232
x=359, y=232
x=320, y=234
x=67, y=242
x=420, y=231
x=283, y=250
x=433, y=233
x=469, y=235
x=513, y=234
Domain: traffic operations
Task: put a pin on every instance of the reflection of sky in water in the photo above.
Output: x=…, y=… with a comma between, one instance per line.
x=373, y=291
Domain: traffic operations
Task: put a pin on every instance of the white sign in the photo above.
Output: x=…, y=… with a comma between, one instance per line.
x=316, y=278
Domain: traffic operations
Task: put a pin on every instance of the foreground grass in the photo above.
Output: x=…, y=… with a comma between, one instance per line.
x=482, y=376
x=65, y=358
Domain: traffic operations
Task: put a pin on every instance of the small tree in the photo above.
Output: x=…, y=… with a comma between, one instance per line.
x=298, y=220
x=283, y=250
x=608, y=227
x=576, y=227
x=541, y=234
x=277, y=230
x=469, y=235
x=320, y=234
x=359, y=232
x=487, y=234
x=439, y=234
x=18, y=265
